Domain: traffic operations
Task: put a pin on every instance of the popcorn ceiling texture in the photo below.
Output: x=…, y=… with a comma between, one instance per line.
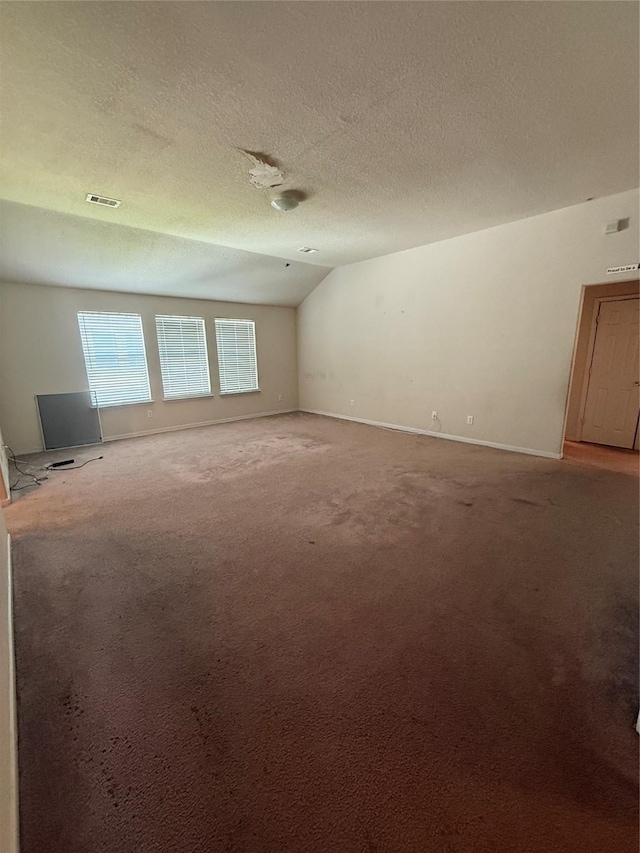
x=298, y=635
x=404, y=123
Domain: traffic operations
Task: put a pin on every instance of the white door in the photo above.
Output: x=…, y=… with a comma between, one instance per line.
x=613, y=403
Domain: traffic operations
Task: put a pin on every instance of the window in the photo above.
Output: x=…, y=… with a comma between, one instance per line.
x=113, y=346
x=182, y=344
x=237, y=360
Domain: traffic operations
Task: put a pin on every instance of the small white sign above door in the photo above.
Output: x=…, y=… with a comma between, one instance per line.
x=624, y=268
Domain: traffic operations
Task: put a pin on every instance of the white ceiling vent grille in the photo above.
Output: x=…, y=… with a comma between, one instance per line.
x=307, y=250
x=101, y=199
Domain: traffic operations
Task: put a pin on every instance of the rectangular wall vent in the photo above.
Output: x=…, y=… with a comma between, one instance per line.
x=101, y=199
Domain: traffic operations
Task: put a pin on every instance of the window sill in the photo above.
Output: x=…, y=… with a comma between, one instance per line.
x=186, y=397
x=235, y=393
x=119, y=405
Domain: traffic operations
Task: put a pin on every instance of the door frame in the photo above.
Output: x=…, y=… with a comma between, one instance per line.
x=592, y=297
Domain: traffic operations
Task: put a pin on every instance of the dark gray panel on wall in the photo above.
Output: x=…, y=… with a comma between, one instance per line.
x=68, y=420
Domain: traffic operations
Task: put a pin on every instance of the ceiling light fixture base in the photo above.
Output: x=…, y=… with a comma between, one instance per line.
x=284, y=203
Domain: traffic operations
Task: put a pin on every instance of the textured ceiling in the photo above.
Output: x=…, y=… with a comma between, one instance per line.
x=405, y=123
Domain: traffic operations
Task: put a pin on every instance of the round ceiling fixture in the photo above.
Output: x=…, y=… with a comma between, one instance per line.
x=284, y=203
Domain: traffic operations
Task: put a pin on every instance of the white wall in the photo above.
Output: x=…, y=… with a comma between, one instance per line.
x=41, y=353
x=8, y=741
x=480, y=325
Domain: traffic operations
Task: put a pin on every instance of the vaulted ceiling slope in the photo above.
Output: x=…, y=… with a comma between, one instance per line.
x=404, y=123
x=40, y=246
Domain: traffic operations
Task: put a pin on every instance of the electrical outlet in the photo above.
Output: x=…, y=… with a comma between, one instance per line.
x=352, y=402
x=434, y=416
x=149, y=413
x=469, y=419
x=280, y=397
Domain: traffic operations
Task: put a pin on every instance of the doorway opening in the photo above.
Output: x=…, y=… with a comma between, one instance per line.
x=603, y=408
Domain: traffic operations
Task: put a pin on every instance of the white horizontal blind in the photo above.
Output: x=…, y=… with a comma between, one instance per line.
x=113, y=346
x=182, y=344
x=237, y=361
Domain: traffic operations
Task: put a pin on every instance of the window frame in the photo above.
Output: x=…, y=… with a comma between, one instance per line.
x=85, y=343
x=252, y=324
x=205, y=360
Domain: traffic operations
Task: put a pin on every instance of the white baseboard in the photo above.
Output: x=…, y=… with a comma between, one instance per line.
x=200, y=424
x=163, y=429
x=414, y=430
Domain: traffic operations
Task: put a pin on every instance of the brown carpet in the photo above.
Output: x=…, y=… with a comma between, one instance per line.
x=296, y=634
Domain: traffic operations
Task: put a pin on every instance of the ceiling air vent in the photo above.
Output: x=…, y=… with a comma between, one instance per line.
x=101, y=199
x=307, y=250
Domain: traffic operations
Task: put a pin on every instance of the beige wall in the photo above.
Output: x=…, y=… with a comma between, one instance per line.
x=8, y=740
x=41, y=353
x=480, y=325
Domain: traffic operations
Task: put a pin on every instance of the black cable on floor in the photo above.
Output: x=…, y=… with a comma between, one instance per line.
x=17, y=488
x=36, y=480
x=71, y=467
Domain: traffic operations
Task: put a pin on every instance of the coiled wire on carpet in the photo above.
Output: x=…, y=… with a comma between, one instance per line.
x=37, y=480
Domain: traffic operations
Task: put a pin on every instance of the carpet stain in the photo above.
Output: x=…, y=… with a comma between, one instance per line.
x=527, y=502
